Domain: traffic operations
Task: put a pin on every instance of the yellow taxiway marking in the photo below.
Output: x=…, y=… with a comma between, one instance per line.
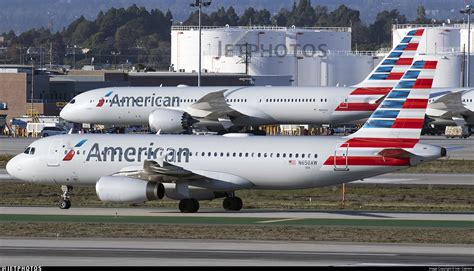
x=280, y=220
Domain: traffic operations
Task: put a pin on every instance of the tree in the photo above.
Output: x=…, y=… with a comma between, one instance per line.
x=344, y=16
x=381, y=29
x=421, y=19
x=302, y=14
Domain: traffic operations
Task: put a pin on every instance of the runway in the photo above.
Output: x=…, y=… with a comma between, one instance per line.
x=133, y=252
x=266, y=215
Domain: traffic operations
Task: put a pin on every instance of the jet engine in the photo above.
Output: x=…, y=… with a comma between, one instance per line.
x=125, y=189
x=194, y=192
x=170, y=121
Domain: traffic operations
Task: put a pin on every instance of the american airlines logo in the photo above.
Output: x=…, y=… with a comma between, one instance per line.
x=133, y=154
x=102, y=100
x=142, y=101
x=70, y=154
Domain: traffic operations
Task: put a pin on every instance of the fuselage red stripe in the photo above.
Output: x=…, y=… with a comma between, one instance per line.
x=408, y=123
x=430, y=65
x=367, y=161
x=416, y=103
x=357, y=107
x=381, y=142
x=371, y=91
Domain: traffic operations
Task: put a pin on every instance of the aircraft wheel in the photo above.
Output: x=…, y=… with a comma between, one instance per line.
x=64, y=204
x=232, y=204
x=188, y=205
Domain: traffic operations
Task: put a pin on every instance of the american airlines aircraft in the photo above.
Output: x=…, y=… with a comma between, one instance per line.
x=138, y=168
x=179, y=109
x=452, y=107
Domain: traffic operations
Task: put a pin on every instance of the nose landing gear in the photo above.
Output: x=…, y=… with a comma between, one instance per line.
x=65, y=202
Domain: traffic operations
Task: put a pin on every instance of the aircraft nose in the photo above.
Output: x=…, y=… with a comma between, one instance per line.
x=13, y=167
x=65, y=112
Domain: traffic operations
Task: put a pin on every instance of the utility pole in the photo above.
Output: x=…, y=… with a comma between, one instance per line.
x=468, y=10
x=199, y=4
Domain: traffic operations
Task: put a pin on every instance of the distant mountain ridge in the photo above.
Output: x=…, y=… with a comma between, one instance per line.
x=22, y=15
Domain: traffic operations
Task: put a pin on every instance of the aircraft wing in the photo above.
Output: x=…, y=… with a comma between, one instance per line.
x=213, y=106
x=165, y=172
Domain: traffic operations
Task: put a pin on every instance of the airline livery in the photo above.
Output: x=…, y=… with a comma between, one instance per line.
x=179, y=109
x=138, y=168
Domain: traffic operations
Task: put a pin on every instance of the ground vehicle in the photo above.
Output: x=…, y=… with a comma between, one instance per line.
x=49, y=131
x=457, y=131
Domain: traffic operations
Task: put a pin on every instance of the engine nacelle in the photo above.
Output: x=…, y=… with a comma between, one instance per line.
x=194, y=192
x=170, y=121
x=125, y=189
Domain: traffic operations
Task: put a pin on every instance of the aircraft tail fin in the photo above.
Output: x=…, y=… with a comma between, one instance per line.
x=396, y=63
x=398, y=120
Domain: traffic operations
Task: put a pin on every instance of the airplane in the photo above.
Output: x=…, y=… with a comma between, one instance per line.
x=142, y=167
x=452, y=107
x=180, y=109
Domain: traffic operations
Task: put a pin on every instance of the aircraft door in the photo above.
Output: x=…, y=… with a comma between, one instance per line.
x=344, y=103
x=54, y=153
x=341, y=158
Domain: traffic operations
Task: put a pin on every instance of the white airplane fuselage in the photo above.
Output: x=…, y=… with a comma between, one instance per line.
x=265, y=162
x=258, y=105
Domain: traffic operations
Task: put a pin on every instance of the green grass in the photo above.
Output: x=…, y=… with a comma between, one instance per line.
x=443, y=166
x=238, y=232
x=4, y=158
x=387, y=197
x=237, y=221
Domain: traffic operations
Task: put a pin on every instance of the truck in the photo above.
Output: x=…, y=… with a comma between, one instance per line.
x=456, y=131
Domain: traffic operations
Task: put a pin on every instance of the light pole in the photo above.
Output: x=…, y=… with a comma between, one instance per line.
x=468, y=10
x=199, y=4
x=115, y=54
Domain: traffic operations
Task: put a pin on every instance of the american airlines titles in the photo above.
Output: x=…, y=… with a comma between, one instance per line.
x=143, y=101
x=134, y=154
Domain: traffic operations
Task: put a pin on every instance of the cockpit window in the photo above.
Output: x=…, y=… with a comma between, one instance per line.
x=72, y=101
x=27, y=151
x=32, y=151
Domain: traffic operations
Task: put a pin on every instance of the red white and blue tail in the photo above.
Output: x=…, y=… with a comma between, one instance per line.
x=367, y=94
x=401, y=114
x=397, y=62
x=388, y=138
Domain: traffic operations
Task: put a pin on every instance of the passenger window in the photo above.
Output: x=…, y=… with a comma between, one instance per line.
x=290, y=155
x=246, y=154
x=315, y=155
x=296, y=155
x=302, y=156
x=209, y=154
x=233, y=154
x=278, y=155
x=222, y=154
x=265, y=155
x=258, y=155
x=203, y=154
x=240, y=154
x=215, y=154
x=284, y=155
x=228, y=154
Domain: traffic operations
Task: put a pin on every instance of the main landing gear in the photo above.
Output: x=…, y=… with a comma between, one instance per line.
x=232, y=204
x=65, y=202
x=192, y=205
x=188, y=205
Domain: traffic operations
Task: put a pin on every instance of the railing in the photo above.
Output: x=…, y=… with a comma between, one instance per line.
x=259, y=27
x=405, y=26
x=299, y=53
